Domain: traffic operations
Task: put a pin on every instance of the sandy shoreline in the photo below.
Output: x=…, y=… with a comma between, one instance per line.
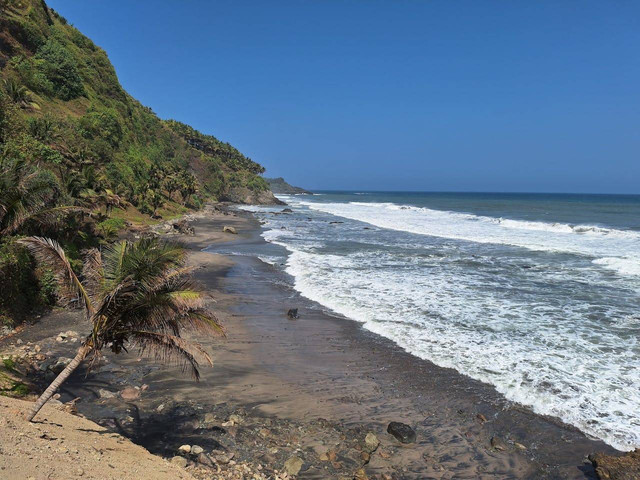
x=315, y=385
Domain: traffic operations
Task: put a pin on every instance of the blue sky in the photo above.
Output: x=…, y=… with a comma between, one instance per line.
x=393, y=95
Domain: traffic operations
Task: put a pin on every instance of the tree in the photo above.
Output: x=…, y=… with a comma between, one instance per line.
x=138, y=294
x=189, y=186
x=155, y=200
x=27, y=193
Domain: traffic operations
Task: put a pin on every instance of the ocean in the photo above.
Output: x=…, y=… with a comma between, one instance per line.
x=536, y=294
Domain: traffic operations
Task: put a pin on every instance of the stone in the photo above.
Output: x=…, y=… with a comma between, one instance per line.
x=498, y=444
x=209, y=418
x=371, y=442
x=293, y=313
x=105, y=393
x=130, y=393
x=179, y=461
x=287, y=210
x=402, y=432
x=60, y=365
x=228, y=229
x=223, y=459
x=361, y=475
x=182, y=226
x=203, y=459
x=293, y=466
x=184, y=449
x=236, y=419
x=197, y=449
x=481, y=417
x=617, y=467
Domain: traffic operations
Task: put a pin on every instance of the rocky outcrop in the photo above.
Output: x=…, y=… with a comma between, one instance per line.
x=278, y=185
x=623, y=467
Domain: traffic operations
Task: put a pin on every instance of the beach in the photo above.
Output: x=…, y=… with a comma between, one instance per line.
x=309, y=388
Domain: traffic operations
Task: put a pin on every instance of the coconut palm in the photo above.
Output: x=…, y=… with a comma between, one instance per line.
x=27, y=193
x=136, y=294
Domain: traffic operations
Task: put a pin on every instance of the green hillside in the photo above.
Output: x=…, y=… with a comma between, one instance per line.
x=81, y=160
x=64, y=108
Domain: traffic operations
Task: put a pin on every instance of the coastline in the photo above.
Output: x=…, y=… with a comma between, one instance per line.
x=312, y=386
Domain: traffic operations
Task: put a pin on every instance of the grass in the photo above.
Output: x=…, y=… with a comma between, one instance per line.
x=10, y=386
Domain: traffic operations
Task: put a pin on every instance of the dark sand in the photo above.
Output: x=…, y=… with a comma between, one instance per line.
x=325, y=366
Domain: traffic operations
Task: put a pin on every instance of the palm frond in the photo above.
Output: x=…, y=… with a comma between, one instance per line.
x=50, y=253
x=93, y=274
x=171, y=349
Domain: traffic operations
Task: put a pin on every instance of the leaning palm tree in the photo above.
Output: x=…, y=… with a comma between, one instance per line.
x=136, y=294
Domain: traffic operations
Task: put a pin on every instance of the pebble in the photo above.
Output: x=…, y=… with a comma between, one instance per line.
x=371, y=442
x=293, y=465
x=179, y=461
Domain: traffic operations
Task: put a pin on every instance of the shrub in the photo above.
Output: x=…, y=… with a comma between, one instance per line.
x=102, y=124
x=31, y=75
x=61, y=70
x=18, y=283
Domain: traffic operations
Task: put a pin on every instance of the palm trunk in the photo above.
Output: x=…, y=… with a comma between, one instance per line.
x=51, y=389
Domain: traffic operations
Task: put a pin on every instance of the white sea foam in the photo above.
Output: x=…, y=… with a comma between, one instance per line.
x=619, y=250
x=529, y=354
x=561, y=335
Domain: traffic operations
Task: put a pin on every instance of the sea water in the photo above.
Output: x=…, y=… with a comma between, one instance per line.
x=536, y=294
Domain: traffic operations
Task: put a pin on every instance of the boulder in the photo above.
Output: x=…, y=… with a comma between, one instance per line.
x=179, y=461
x=184, y=449
x=617, y=467
x=371, y=442
x=403, y=432
x=293, y=313
x=228, y=229
x=287, y=210
x=293, y=466
x=196, y=449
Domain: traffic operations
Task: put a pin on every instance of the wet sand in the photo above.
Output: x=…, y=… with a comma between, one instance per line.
x=324, y=366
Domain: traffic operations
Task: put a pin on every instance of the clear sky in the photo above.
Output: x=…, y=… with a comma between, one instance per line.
x=439, y=95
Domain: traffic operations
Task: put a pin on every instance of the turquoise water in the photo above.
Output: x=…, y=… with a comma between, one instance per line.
x=536, y=294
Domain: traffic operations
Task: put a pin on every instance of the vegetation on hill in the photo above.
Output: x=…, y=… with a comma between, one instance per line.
x=73, y=140
x=279, y=185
